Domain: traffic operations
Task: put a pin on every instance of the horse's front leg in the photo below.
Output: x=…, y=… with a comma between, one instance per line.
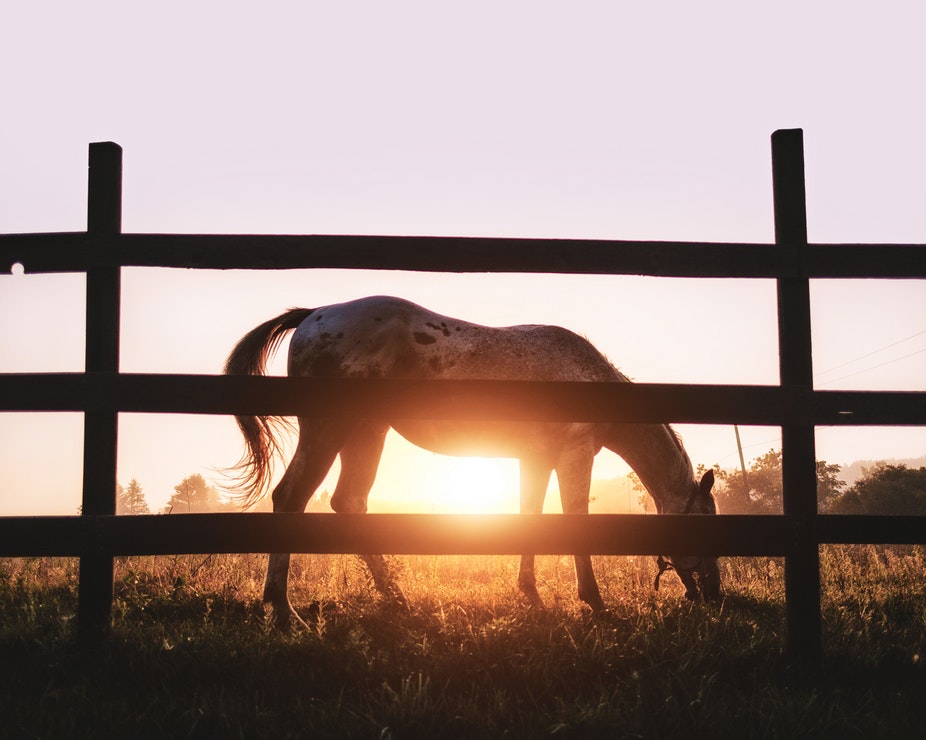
x=535, y=477
x=574, y=473
x=384, y=579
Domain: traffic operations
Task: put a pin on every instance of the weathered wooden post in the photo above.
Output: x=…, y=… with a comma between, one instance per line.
x=798, y=454
x=104, y=218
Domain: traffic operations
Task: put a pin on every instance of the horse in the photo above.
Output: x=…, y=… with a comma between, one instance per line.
x=387, y=337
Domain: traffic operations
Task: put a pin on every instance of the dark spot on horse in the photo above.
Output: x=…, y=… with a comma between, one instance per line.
x=442, y=328
x=378, y=318
x=340, y=335
x=325, y=365
x=423, y=338
x=456, y=328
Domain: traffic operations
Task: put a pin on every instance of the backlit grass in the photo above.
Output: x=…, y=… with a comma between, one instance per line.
x=191, y=654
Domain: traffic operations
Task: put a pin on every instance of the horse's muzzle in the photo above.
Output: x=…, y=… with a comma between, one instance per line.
x=709, y=581
x=702, y=582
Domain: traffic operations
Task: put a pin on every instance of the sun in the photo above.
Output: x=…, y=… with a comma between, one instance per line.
x=476, y=485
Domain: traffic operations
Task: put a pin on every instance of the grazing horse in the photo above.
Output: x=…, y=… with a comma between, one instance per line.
x=384, y=337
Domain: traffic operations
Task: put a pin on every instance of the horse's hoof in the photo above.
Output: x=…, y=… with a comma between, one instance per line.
x=277, y=622
x=531, y=598
x=603, y=616
x=400, y=600
x=284, y=618
x=595, y=603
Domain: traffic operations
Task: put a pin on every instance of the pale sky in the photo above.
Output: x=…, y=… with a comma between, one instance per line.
x=487, y=119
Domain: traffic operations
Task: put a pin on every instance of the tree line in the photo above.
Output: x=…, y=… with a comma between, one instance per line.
x=883, y=489
x=194, y=495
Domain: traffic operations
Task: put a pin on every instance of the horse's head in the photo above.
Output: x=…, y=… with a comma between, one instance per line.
x=700, y=574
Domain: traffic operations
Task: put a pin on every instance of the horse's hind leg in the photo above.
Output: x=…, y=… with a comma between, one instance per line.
x=318, y=446
x=535, y=477
x=360, y=458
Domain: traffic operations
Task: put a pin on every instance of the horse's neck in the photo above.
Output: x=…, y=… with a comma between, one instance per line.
x=658, y=459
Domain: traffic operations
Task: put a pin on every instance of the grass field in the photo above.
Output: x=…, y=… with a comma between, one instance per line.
x=191, y=654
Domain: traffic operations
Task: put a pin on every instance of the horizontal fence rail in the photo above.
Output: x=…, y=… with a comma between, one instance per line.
x=439, y=534
x=74, y=252
x=436, y=534
x=459, y=399
x=102, y=393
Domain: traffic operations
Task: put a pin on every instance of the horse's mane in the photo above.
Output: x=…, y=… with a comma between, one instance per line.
x=673, y=434
x=676, y=437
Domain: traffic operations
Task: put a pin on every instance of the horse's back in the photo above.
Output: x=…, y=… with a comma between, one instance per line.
x=383, y=336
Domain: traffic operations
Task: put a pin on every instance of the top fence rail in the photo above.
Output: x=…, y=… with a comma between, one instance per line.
x=78, y=251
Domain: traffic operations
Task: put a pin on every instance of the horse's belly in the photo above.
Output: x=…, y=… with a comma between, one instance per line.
x=482, y=439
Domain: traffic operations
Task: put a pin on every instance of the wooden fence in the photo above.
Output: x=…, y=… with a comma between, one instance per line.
x=102, y=392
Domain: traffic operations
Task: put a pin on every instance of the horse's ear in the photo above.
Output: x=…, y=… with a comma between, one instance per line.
x=707, y=483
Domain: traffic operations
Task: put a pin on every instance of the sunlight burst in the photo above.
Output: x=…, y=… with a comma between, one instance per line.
x=476, y=485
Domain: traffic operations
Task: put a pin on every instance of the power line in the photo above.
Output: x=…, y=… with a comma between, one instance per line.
x=875, y=367
x=741, y=447
x=869, y=354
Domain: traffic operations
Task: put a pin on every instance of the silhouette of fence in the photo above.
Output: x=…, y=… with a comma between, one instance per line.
x=102, y=392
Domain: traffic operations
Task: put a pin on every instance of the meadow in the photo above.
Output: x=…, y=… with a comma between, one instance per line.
x=191, y=654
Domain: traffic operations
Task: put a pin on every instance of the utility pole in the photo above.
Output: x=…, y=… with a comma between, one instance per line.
x=739, y=448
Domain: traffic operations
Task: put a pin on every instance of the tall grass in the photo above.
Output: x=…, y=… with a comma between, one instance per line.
x=191, y=654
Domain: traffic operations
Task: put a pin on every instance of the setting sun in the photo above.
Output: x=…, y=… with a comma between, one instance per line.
x=475, y=485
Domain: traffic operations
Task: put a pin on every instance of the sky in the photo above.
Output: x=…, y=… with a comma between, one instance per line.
x=599, y=120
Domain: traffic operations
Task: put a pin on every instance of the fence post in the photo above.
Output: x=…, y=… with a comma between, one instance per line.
x=798, y=455
x=104, y=217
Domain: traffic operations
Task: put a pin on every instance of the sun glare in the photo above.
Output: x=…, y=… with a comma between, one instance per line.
x=476, y=485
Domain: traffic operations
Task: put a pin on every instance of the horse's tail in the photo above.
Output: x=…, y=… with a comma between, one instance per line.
x=254, y=471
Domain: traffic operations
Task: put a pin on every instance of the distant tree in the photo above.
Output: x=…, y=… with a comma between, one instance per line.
x=885, y=489
x=830, y=487
x=131, y=499
x=759, y=491
x=615, y=496
x=644, y=500
x=319, y=503
x=193, y=495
